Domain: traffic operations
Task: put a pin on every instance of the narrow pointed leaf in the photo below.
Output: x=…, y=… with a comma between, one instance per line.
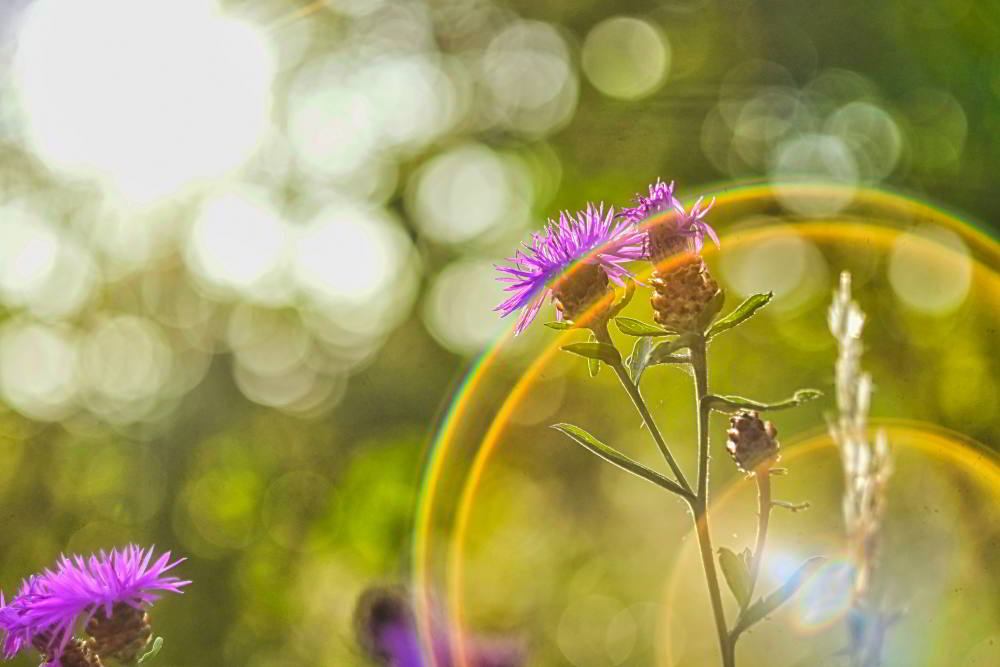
x=592, y=350
x=639, y=359
x=712, y=309
x=735, y=403
x=612, y=455
x=664, y=352
x=737, y=575
x=767, y=605
x=633, y=327
x=559, y=326
x=740, y=314
x=593, y=365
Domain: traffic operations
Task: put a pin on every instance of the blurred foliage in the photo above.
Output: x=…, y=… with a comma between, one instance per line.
x=246, y=366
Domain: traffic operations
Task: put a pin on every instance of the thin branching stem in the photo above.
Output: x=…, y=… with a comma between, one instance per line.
x=601, y=332
x=699, y=506
x=763, y=519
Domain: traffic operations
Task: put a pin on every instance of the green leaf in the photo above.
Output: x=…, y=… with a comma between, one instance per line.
x=612, y=455
x=633, y=327
x=664, y=352
x=151, y=653
x=737, y=575
x=559, y=326
x=735, y=403
x=712, y=309
x=767, y=605
x=593, y=350
x=639, y=358
x=741, y=314
x=593, y=365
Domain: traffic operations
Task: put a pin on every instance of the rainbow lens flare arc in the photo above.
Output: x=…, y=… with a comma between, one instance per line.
x=868, y=233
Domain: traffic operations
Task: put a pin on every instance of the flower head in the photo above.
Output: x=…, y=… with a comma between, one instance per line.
x=51, y=605
x=661, y=198
x=591, y=236
x=685, y=230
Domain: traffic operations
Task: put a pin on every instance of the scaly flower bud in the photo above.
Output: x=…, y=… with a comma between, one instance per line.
x=685, y=295
x=752, y=443
x=582, y=287
x=78, y=653
x=121, y=636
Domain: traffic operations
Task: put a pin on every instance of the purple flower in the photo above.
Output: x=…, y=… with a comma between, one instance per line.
x=387, y=630
x=687, y=224
x=590, y=236
x=49, y=606
x=692, y=223
x=661, y=198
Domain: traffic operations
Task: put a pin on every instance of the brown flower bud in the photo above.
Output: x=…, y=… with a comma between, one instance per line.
x=123, y=636
x=685, y=295
x=79, y=653
x=664, y=242
x=752, y=443
x=583, y=286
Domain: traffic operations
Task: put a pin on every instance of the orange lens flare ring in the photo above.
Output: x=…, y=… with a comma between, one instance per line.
x=432, y=497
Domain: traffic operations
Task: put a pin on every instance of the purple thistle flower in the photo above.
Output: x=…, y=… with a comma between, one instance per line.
x=590, y=236
x=51, y=605
x=661, y=198
x=689, y=225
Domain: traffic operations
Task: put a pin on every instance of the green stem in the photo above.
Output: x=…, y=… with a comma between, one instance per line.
x=699, y=506
x=601, y=332
x=763, y=518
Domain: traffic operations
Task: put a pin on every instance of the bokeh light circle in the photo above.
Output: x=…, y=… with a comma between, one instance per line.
x=106, y=92
x=626, y=57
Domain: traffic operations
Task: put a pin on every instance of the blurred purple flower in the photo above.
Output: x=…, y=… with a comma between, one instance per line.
x=387, y=631
x=591, y=236
x=50, y=606
x=690, y=225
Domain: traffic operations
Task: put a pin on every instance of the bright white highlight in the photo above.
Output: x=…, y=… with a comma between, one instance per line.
x=42, y=268
x=348, y=255
x=238, y=240
x=38, y=369
x=146, y=96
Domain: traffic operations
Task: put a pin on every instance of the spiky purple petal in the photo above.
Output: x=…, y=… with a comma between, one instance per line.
x=591, y=235
x=689, y=224
x=661, y=198
x=50, y=605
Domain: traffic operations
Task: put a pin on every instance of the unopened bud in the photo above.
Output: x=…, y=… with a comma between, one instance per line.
x=685, y=295
x=752, y=442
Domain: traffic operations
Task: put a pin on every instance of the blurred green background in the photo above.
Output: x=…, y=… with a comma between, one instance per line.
x=247, y=248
